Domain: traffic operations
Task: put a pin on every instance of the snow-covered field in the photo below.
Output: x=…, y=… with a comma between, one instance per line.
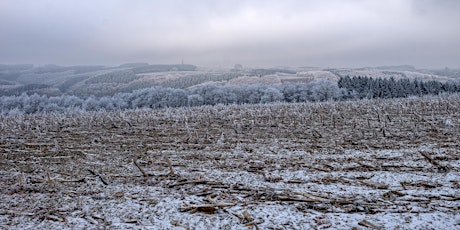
x=380, y=164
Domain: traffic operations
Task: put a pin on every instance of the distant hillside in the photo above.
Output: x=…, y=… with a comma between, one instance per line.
x=82, y=80
x=100, y=80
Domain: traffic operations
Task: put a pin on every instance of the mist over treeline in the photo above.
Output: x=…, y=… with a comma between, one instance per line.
x=347, y=88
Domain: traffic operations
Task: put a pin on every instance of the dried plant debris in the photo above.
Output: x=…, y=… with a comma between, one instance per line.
x=341, y=165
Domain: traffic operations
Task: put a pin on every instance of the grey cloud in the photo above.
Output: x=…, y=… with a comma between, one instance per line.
x=324, y=33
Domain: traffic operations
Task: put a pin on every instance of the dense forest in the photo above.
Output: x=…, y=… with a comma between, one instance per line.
x=347, y=88
x=366, y=87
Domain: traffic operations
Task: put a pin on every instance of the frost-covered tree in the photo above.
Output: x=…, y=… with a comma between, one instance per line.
x=206, y=92
x=91, y=104
x=271, y=94
x=224, y=95
x=195, y=100
x=254, y=94
x=325, y=90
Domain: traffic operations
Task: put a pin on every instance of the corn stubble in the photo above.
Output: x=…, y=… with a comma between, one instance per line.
x=373, y=157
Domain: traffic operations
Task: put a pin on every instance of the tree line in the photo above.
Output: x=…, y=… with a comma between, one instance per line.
x=161, y=97
x=366, y=87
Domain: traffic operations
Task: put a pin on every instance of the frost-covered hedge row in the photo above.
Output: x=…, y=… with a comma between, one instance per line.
x=158, y=97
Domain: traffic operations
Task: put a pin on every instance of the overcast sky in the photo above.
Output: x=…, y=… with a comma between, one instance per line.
x=334, y=33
